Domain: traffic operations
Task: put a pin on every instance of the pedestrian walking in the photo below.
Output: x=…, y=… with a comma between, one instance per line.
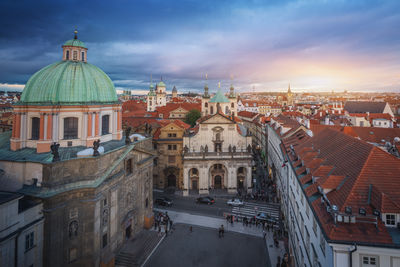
x=264, y=234
x=191, y=229
x=170, y=224
x=159, y=230
x=166, y=229
x=278, y=264
x=222, y=230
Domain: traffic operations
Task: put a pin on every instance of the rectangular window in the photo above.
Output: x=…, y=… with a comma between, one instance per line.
x=83, y=56
x=369, y=261
x=29, y=241
x=72, y=254
x=105, y=240
x=315, y=225
x=70, y=128
x=390, y=219
x=171, y=159
x=105, y=124
x=75, y=55
x=307, y=241
x=129, y=168
x=169, y=147
x=174, y=147
x=322, y=241
x=35, y=128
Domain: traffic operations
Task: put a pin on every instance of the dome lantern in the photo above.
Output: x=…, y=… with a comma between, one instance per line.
x=75, y=49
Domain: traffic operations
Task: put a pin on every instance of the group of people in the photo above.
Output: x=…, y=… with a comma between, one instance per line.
x=284, y=262
x=161, y=219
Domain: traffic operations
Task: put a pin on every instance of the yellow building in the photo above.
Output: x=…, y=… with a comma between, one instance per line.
x=168, y=142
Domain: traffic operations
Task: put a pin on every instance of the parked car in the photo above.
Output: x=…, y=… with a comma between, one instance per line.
x=206, y=200
x=164, y=201
x=235, y=202
x=265, y=217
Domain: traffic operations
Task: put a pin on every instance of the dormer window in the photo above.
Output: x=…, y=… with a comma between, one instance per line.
x=67, y=55
x=83, y=56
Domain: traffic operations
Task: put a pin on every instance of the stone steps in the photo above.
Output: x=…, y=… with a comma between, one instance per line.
x=136, y=252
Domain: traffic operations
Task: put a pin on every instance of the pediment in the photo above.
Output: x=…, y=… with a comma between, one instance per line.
x=218, y=118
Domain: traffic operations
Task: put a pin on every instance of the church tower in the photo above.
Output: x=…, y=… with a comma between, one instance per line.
x=161, y=94
x=289, y=96
x=232, y=101
x=151, y=99
x=174, y=92
x=204, y=100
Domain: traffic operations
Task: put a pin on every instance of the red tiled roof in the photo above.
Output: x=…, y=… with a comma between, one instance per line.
x=349, y=167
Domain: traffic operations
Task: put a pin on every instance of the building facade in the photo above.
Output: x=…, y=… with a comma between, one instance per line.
x=217, y=155
x=331, y=188
x=93, y=198
x=168, y=141
x=21, y=230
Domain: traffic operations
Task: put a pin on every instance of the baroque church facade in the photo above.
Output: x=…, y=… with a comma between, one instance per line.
x=217, y=152
x=94, y=199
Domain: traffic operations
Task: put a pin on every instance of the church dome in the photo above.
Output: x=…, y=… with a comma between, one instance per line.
x=69, y=83
x=161, y=84
x=75, y=42
x=219, y=98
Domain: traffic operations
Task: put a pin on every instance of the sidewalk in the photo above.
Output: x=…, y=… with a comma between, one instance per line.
x=238, y=227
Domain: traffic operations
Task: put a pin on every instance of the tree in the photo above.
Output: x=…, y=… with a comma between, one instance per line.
x=192, y=116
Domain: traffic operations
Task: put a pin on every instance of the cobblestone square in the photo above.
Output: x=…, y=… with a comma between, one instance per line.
x=203, y=247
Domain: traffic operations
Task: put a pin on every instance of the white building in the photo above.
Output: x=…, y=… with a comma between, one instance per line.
x=157, y=98
x=21, y=231
x=217, y=155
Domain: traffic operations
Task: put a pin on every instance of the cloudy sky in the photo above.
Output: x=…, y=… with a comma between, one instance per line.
x=311, y=44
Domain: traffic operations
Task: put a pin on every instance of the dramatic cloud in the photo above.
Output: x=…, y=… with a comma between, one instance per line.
x=314, y=45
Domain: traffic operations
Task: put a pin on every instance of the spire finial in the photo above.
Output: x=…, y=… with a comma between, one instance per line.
x=219, y=85
x=76, y=33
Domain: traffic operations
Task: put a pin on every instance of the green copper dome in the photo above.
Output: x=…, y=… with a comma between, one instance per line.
x=161, y=84
x=219, y=98
x=75, y=42
x=69, y=83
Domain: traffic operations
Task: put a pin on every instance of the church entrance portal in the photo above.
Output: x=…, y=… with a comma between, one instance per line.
x=217, y=182
x=171, y=180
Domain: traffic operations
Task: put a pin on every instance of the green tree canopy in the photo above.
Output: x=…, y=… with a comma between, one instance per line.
x=192, y=116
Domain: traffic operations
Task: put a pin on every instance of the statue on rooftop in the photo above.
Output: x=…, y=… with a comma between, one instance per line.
x=96, y=145
x=206, y=149
x=127, y=133
x=54, y=150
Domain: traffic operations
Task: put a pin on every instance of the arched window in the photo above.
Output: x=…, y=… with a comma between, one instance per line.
x=105, y=124
x=218, y=136
x=75, y=55
x=70, y=128
x=232, y=105
x=35, y=128
x=83, y=56
x=67, y=55
x=226, y=110
x=206, y=104
x=211, y=110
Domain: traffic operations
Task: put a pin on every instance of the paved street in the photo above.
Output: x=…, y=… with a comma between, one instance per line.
x=189, y=205
x=203, y=247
